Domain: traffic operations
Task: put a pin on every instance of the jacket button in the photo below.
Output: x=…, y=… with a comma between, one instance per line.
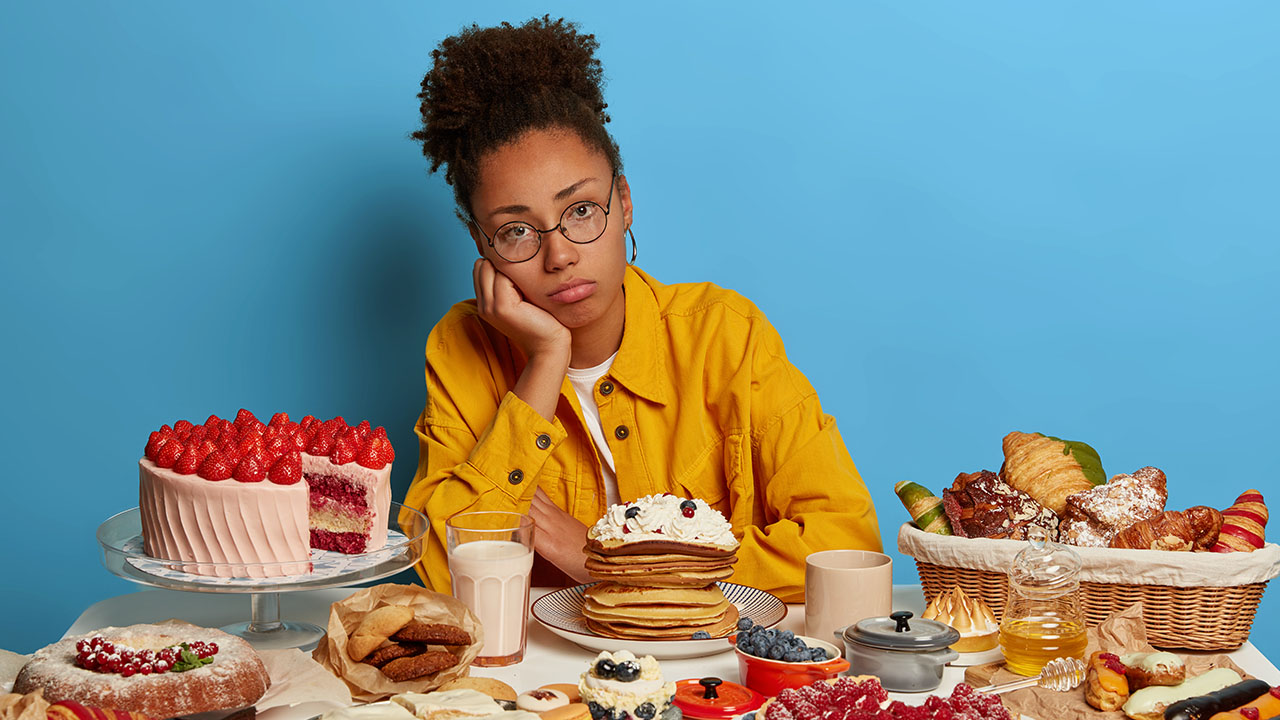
x=606, y=387
x=621, y=432
x=543, y=441
x=515, y=477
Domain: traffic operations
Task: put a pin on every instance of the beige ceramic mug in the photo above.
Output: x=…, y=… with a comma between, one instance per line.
x=842, y=587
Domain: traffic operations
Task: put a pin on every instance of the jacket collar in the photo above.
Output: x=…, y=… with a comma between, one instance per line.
x=641, y=364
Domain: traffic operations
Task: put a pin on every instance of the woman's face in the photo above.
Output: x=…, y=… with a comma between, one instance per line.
x=534, y=180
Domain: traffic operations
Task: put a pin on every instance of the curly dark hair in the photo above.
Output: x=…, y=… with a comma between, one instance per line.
x=489, y=86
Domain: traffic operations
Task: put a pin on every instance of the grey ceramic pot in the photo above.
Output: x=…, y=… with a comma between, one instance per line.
x=907, y=656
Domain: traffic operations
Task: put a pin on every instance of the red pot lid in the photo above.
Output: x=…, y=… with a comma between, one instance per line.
x=727, y=699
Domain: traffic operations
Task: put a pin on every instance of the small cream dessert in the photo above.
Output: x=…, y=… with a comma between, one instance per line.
x=620, y=686
x=971, y=617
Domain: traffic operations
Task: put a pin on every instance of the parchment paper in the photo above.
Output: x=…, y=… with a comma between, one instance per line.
x=366, y=682
x=1121, y=633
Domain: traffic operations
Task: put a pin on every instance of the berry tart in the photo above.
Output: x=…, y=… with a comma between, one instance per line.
x=232, y=493
x=161, y=671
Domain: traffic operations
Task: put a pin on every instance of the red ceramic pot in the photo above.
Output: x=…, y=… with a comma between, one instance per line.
x=770, y=677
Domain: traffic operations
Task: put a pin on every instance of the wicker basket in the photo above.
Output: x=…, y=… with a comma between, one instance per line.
x=1176, y=617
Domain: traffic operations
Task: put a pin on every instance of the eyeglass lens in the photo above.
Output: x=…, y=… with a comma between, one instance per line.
x=581, y=222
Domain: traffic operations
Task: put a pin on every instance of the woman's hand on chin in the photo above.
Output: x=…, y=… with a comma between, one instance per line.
x=535, y=331
x=559, y=537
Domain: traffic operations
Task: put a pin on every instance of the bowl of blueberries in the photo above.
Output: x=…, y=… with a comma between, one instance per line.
x=771, y=660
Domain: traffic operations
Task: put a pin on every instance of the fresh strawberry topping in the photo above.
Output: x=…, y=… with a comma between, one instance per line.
x=280, y=418
x=188, y=461
x=153, y=445
x=344, y=450
x=182, y=426
x=168, y=453
x=308, y=420
x=215, y=467
x=250, y=469
x=244, y=417
x=364, y=429
x=287, y=470
x=322, y=443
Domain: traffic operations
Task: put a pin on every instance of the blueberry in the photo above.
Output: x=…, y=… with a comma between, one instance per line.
x=701, y=635
x=688, y=505
x=744, y=624
x=791, y=656
x=786, y=635
x=755, y=630
x=817, y=654
x=632, y=512
x=749, y=716
x=597, y=712
x=646, y=711
x=605, y=668
x=776, y=652
x=627, y=671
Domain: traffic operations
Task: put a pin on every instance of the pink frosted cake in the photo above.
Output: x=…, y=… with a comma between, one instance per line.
x=229, y=497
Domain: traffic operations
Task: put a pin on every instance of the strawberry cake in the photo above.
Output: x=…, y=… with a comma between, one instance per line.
x=246, y=499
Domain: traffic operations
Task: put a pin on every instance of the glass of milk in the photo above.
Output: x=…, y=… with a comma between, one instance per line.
x=490, y=558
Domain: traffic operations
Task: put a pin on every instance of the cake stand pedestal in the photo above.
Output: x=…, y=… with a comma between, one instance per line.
x=120, y=537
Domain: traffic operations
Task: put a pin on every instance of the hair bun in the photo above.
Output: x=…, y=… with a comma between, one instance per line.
x=487, y=85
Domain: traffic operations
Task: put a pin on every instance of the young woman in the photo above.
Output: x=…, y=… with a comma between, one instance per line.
x=574, y=380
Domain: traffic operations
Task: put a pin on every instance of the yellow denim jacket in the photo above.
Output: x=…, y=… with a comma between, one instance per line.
x=700, y=402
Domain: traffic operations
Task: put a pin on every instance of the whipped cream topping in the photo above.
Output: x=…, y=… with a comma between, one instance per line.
x=660, y=517
x=614, y=694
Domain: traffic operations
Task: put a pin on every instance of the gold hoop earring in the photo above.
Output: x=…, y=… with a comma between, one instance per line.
x=633, y=246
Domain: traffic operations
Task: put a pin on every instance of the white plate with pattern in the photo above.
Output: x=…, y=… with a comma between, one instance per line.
x=561, y=613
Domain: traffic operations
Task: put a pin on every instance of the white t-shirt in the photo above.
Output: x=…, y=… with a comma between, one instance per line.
x=584, y=385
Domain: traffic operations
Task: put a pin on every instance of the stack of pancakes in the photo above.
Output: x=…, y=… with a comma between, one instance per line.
x=658, y=588
x=627, y=611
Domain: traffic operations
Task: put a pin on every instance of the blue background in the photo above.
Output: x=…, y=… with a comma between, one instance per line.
x=964, y=218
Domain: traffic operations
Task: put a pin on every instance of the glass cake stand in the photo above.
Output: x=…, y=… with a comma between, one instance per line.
x=121, y=539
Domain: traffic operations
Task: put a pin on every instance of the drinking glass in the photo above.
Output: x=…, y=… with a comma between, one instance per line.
x=490, y=559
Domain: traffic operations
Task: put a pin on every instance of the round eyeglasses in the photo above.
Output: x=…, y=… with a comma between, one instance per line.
x=581, y=223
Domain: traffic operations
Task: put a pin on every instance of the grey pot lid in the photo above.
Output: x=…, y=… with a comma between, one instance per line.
x=900, y=632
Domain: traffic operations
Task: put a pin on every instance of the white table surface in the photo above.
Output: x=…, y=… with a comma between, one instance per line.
x=548, y=657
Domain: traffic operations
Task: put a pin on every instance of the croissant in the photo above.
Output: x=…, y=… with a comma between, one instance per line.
x=1243, y=524
x=1049, y=469
x=1195, y=528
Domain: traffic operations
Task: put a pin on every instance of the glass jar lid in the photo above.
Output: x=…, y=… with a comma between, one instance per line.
x=1045, y=567
x=900, y=632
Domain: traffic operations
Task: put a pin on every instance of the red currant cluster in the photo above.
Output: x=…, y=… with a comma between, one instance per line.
x=849, y=699
x=101, y=655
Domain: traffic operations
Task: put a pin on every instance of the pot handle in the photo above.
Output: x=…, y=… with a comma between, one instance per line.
x=947, y=655
x=839, y=634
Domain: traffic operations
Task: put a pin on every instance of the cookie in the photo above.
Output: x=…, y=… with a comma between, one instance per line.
x=541, y=700
x=416, y=666
x=375, y=628
x=432, y=634
x=572, y=711
x=492, y=687
x=569, y=689
x=384, y=655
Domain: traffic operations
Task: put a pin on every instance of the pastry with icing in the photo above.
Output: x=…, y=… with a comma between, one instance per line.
x=619, y=686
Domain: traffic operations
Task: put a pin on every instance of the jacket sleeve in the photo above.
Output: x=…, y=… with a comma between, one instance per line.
x=812, y=495
x=478, y=444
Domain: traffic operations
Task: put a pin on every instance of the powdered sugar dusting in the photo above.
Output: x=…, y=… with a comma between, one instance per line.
x=236, y=678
